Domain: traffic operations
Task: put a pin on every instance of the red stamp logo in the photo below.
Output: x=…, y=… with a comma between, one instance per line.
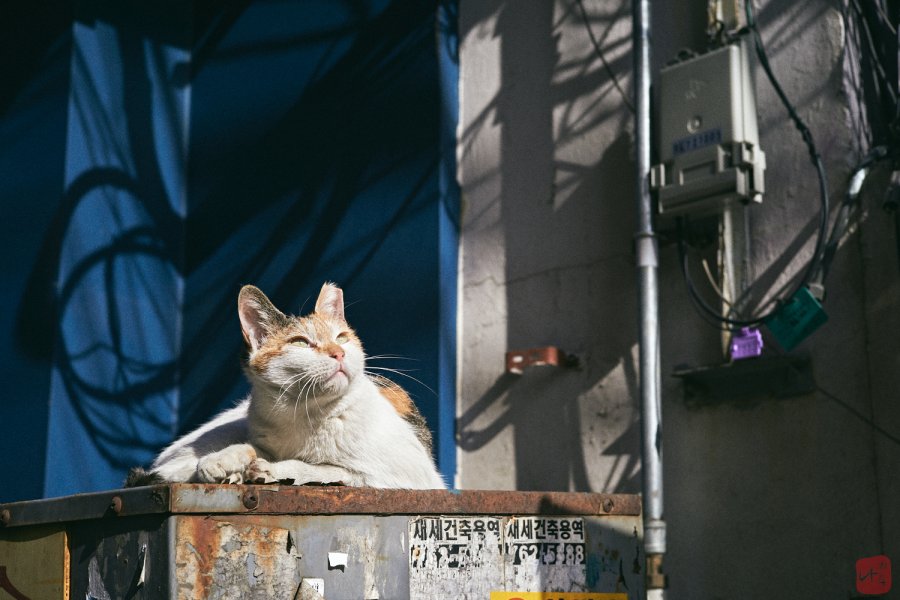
x=873, y=575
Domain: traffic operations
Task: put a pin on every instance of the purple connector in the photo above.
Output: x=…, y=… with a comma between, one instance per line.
x=746, y=344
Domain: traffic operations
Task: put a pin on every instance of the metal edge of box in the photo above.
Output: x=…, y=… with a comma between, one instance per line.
x=184, y=498
x=79, y=507
x=267, y=499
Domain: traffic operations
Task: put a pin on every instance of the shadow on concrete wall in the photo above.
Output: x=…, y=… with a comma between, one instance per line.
x=567, y=230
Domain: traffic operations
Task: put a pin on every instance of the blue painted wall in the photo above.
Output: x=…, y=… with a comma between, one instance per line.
x=185, y=151
x=35, y=46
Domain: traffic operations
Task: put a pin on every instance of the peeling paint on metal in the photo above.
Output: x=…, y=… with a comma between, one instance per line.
x=221, y=559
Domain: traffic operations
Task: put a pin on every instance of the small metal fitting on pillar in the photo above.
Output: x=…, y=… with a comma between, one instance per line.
x=657, y=581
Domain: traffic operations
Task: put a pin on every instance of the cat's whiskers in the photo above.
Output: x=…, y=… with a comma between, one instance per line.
x=312, y=376
x=297, y=401
x=286, y=386
x=389, y=357
x=284, y=389
x=304, y=393
x=401, y=372
x=325, y=371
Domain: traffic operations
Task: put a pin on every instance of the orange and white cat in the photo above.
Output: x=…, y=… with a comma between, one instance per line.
x=313, y=413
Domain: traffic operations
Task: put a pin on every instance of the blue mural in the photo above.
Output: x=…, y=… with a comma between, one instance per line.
x=209, y=145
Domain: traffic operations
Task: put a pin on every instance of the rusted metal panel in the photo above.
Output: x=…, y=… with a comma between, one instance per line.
x=229, y=559
x=114, y=503
x=403, y=557
x=351, y=556
x=229, y=541
x=201, y=498
x=34, y=563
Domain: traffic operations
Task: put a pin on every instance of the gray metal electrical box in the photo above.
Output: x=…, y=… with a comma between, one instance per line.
x=708, y=139
x=340, y=543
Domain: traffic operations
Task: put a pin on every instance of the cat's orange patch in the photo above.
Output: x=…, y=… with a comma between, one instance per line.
x=270, y=350
x=396, y=395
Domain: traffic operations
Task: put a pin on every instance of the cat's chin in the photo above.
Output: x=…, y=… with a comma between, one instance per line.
x=337, y=384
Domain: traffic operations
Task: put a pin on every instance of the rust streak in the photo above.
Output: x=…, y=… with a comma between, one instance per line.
x=197, y=539
x=353, y=500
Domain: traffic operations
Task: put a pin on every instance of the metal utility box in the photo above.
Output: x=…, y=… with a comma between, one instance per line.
x=339, y=543
x=709, y=150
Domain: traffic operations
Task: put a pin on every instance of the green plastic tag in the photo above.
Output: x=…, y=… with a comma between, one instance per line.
x=796, y=319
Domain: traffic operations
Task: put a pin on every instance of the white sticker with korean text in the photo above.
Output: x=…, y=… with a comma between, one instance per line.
x=468, y=557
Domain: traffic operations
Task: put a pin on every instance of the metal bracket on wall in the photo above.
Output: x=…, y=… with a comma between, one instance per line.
x=748, y=380
x=518, y=360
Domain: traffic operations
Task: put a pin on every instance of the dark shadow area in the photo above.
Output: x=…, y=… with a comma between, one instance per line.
x=25, y=50
x=334, y=178
x=127, y=558
x=35, y=43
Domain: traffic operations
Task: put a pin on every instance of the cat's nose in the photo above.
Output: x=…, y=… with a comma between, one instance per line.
x=337, y=353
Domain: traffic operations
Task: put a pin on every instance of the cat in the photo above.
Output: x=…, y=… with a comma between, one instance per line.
x=313, y=415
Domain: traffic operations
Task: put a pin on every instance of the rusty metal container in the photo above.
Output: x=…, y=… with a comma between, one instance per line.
x=339, y=543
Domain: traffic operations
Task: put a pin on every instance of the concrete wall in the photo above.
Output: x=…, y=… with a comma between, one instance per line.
x=771, y=498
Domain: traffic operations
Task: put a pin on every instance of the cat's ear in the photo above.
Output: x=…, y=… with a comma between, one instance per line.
x=259, y=317
x=331, y=302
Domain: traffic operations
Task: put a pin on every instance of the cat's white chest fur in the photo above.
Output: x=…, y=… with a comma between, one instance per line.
x=360, y=432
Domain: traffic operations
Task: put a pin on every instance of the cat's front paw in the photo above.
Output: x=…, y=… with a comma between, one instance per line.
x=259, y=471
x=225, y=466
x=263, y=471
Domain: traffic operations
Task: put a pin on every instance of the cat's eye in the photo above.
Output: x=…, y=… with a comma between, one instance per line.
x=302, y=342
x=342, y=338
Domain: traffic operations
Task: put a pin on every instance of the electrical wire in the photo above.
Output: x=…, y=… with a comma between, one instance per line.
x=846, y=405
x=714, y=285
x=887, y=434
x=709, y=314
x=824, y=210
x=805, y=133
x=845, y=210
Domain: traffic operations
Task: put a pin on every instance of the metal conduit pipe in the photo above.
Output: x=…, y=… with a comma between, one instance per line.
x=646, y=250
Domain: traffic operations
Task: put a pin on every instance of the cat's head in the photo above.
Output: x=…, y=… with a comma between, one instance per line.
x=304, y=359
